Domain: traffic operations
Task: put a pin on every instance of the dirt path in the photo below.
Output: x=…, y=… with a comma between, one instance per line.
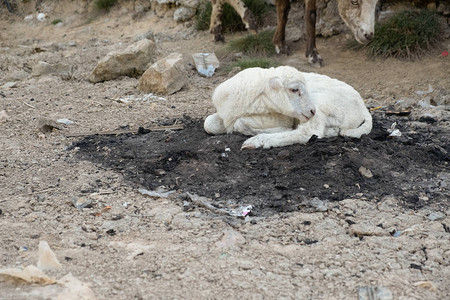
x=169, y=247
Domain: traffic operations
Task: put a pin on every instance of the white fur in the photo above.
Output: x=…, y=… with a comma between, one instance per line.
x=260, y=100
x=249, y=104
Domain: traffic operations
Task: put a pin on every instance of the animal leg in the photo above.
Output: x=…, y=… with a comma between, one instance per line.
x=300, y=135
x=215, y=25
x=254, y=125
x=214, y=124
x=310, y=19
x=279, y=39
x=279, y=139
x=246, y=15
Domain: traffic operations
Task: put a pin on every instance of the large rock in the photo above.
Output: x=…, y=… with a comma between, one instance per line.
x=132, y=62
x=166, y=76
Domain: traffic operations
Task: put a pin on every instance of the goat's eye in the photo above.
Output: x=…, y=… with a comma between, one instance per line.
x=354, y=2
x=294, y=91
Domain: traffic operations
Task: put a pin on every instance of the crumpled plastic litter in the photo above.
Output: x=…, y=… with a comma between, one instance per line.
x=394, y=131
x=430, y=90
x=65, y=121
x=206, y=63
x=241, y=211
x=159, y=193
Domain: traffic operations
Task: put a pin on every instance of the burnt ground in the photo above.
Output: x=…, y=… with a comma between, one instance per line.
x=413, y=168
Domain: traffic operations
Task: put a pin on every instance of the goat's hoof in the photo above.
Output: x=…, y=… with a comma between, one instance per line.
x=315, y=60
x=282, y=49
x=248, y=146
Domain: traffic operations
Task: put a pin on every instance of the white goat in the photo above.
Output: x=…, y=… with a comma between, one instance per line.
x=283, y=106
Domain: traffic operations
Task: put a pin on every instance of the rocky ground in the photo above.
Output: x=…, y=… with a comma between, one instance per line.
x=334, y=240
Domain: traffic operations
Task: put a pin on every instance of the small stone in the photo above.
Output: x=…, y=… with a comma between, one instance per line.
x=160, y=172
x=3, y=116
x=326, y=186
x=183, y=14
x=9, y=84
x=365, y=172
x=44, y=68
x=47, y=125
x=374, y=293
x=47, y=259
x=366, y=229
x=283, y=154
x=82, y=203
x=436, y=216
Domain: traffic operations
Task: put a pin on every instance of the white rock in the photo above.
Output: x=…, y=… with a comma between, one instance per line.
x=3, y=116
x=47, y=259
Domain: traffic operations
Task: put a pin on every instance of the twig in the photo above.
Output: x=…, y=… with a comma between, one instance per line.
x=29, y=105
x=202, y=201
x=38, y=192
x=101, y=193
x=115, y=132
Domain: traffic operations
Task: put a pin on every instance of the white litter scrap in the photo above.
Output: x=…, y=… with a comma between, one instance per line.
x=241, y=211
x=146, y=98
x=394, y=131
x=430, y=90
x=65, y=121
x=206, y=63
x=40, y=17
x=159, y=193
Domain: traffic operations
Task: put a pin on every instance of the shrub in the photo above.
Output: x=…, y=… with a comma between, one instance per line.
x=56, y=21
x=104, y=4
x=231, y=21
x=255, y=45
x=407, y=34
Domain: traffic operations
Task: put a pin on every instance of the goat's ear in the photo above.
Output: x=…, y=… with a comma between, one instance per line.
x=275, y=83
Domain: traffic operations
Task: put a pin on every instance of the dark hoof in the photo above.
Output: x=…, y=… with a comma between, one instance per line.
x=315, y=60
x=283, y=49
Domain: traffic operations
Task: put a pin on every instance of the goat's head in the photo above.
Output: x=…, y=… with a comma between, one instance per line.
x=289, y=94
x=359, y=15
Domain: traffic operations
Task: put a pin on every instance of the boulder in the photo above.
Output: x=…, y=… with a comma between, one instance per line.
x=44, y=68
x=183, y=13
x=166, y=76
x=132, y=62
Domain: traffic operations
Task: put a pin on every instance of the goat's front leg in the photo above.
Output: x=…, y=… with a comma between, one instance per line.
x=312, y=54
x=279, y=39
x=268, y=140
x=246, y=15
x=215, y=25
x=301, y=135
